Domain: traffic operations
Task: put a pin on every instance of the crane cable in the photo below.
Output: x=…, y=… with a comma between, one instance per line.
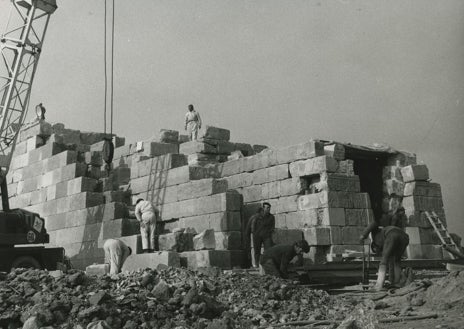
x=108, y=146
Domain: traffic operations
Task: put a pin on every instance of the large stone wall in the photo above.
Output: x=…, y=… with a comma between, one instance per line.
x=205, y=191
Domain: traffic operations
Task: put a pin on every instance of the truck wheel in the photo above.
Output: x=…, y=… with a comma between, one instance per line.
x=26, y=262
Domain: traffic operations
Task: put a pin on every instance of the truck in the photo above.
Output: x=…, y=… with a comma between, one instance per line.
x=22, y=233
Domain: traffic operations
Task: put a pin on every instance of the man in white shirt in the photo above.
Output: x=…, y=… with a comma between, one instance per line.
x=116, y=253
x=145, y=214
x=192, y=123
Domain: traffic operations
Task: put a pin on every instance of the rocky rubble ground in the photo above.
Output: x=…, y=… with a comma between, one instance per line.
x=212, y=299
x=164, y=298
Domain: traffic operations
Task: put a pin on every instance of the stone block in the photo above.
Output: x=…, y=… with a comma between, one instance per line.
x=361, y=200
x=219, y=222
x=97, y=269
x=392, y=172
x=204, y=159
x=339, y=182
x=119, y=227
x=19, y=161
x=232, y=167
x=270, y=174
x=346, y=167
x=94, y=158
x=426, y=189
x=193, y=147
x=157, y=164
x=44, y=152
x=393, y=187
x=231, y=240
x=122, y=151
x=168, y=136
x=284, y=204
x=28, y=185
x=359, y=217
x=40, y=128
x=21, y=200
x=117, y=142
x=351, y=234
x=229, y=201
x=420, y=235
x=177, y=241
x=336, y=151
x=200, y=188
x=204, y=240
x=117, y=196
x=239, y=180
x=211, y=132
x=402, y=159
x=422, y=203
x=151, y=260
x=251, y=193
x=291, y=186
x=207, y=258
x=423, y=251
x=259, y=148
x=245, y=149
x=286, y=236
x=79, y=201
x=59, y=160
x=222, y=147
x=415, y=173
x=34, y=142
x=317, y=236
x=267, y=158
x=38, y=196
x=21, y=147
x=336, y=235
x=326, y=199
x=313, y=166
x=301, y=151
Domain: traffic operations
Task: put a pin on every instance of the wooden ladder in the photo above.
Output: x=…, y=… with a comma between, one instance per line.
x=442, y=232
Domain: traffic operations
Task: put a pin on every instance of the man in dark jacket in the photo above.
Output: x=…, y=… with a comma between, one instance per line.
x=262, y=229
x=276, y=259
x=399, y=219
x=249, y=230
x=391, y=241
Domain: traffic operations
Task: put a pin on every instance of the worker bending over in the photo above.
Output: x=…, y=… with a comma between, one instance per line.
x=145, y=214
x=392, y=242
x=276, y=259
x=116, y=253
x=249, y=232
x=192, y=123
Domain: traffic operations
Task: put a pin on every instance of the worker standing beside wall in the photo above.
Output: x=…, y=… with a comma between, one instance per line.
x=145, y=214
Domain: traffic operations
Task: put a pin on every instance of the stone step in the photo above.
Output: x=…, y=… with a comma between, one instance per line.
x=151, y=260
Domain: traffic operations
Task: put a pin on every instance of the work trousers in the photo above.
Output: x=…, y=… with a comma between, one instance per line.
x=270, y=268
x=394, y=246
x=148, y=230
x=192, y=130
x=115, y=254
x=259, y=241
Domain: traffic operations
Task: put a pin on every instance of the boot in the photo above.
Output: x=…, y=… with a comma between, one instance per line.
x=381, y=277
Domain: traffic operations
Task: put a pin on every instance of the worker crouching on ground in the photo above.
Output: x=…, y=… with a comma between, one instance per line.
x=276, y=259
x=145, y=214
x=116, y=253
x=391, y=241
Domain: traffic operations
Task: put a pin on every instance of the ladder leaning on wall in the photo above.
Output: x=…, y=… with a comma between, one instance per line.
x=442, y=232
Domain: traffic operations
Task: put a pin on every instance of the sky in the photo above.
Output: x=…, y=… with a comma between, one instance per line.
x=272, y=72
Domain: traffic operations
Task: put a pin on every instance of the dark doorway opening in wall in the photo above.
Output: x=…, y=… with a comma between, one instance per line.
x=368, y=165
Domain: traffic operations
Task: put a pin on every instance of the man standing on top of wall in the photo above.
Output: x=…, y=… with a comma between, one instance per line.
x=262, y=231
x=192, y=123
x=145, y=214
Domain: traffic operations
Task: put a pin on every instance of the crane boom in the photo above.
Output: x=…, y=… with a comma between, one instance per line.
x=21, y=45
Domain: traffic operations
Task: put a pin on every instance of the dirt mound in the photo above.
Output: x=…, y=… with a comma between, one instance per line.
x=447, y=292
